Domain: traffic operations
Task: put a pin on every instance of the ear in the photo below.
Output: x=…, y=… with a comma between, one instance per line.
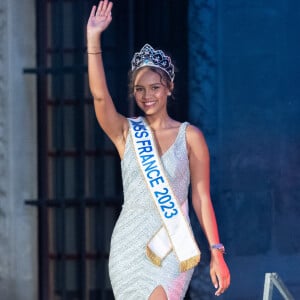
x=171, y=89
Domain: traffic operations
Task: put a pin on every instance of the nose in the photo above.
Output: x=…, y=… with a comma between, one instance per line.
x=147, y=93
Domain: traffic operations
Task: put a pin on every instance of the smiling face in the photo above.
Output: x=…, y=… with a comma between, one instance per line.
x=151, y=90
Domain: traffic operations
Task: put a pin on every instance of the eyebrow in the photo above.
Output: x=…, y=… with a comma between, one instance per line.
x=139, y=85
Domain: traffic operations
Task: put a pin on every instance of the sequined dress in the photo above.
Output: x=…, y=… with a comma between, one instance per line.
x=133, y=276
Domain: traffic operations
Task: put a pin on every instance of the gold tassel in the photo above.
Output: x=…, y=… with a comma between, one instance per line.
x=189, y=263
x=153, y=257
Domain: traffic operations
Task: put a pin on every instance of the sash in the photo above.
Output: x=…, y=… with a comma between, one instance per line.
x=175, y=234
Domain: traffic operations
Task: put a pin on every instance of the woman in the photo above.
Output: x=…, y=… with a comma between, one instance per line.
x=152, y=249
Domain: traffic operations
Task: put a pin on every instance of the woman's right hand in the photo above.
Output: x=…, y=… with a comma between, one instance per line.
x=99, y=19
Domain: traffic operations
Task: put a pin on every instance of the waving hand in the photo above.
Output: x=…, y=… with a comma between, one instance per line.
x=100, y=18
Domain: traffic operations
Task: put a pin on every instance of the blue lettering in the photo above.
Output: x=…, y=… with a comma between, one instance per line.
x=146, y=157
x=137, y=125
x=151, y=171
x=150, y=165
x=140, y=134
x=145, y=149
x=144, y=142
x=157, y=181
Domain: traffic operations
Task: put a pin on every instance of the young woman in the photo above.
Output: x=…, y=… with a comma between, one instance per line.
x=153, y=252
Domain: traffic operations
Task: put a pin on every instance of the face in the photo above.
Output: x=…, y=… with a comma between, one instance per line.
x=150, y=92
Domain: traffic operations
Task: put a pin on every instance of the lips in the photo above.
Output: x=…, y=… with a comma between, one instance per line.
x=149, y=103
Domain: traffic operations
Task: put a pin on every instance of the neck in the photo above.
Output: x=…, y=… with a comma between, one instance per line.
x=158, y=123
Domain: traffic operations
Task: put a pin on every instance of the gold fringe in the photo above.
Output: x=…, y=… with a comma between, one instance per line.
x=153, y=257
x=189, y=263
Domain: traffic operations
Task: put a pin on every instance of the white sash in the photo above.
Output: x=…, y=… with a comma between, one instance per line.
x=175, y=234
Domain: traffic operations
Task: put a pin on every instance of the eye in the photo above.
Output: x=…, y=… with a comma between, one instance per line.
x=155, y=87
x=138, y=89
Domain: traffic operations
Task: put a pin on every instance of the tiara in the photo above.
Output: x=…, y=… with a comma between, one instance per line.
x=153, y=58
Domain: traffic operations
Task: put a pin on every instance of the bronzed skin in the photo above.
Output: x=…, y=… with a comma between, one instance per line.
x=151, y=95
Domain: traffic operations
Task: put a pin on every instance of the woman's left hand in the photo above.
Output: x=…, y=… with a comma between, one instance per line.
x=219, y=272
x=100, y=18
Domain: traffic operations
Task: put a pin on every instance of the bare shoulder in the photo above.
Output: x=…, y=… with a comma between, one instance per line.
x=196, y=142
x=194, y=135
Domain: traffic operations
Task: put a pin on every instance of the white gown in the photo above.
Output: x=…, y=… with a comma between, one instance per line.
x=133, y=276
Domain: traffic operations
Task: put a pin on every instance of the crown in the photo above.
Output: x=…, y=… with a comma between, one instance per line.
x=153, y=58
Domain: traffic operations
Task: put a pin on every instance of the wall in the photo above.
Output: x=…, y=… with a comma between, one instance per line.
x=245, y=97
x=18, y=228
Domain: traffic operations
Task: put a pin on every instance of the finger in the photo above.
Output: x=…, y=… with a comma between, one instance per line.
x=92, y=14
x=214, y=280
x=220, y=289
x=219, y=292
x=98, y=13
x=108, y=9
x=223, y=285
x=227, y=282
x=104, y=7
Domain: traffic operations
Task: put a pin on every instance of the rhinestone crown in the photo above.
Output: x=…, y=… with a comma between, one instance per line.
x=153, y=58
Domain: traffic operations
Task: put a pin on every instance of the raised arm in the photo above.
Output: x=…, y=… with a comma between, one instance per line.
x=201, y=199
x=113, y=123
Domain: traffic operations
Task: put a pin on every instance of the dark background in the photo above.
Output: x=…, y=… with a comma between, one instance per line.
x=246, y=99
x=238, y=80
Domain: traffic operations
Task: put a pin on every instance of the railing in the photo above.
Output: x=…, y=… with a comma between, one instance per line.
x=272, y=279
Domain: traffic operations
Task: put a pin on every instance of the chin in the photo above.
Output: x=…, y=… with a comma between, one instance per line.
x=147, y=111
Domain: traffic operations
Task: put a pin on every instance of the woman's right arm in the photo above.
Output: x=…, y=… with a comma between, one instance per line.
x=114, y=124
